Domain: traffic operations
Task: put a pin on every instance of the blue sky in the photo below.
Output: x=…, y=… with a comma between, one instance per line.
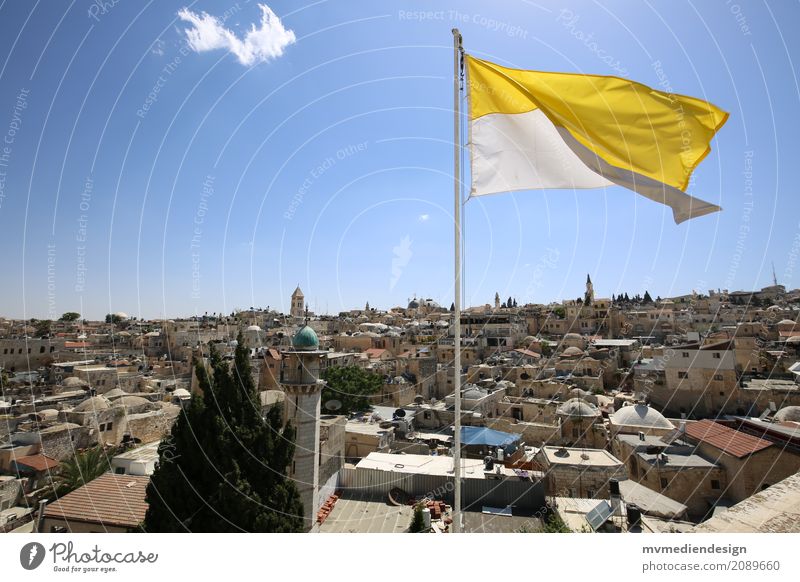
x=148, y=175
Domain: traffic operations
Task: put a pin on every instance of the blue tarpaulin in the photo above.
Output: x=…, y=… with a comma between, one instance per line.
x=482, y=436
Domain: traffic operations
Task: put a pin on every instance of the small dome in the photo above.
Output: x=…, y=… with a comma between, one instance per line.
x=92, y=404
x=413, y=304
x=786, y=322
x=133, y=403
x=795, y=339
x=571, y=352
x=253, y=328
x=640, y=415
x=115, y=393
x=471, y=392
x=121, y=314
x=577, y=408
x=572, y=336
x=305, y=339
x=788, y=414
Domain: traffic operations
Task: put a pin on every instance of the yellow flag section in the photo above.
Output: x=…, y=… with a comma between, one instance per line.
x=532, y=130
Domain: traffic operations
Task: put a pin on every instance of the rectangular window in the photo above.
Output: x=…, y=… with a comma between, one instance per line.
x=685, y=354
x=718, y=377
x=41, y=349
x=663, y=483
x=716, y=355
x=714, y=484
x=683, y=375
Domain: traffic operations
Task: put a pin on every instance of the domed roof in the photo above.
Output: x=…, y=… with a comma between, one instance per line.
x=92, y=404
x=786, y=322
x=305, y=339
x=578, y=408
x=578, y=393
x=253, y=328
x=640, y=415
x=788, y=414
x=471, y=392
x=572, y=336
x=132, y=402
x=571, y=352
x=115, y=393
x=795, y=339
x=413, y=304
x=121, y=315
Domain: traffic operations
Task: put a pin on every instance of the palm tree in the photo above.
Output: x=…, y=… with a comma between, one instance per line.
x=81, y=469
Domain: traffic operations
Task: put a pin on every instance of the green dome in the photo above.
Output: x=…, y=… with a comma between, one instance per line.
x=305, y=339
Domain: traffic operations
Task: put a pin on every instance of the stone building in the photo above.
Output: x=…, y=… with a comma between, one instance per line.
x=574, y=472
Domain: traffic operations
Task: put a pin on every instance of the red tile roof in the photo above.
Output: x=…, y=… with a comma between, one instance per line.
x=728, y=440
x=76, y=345
x=37, y=462
x=110, y=500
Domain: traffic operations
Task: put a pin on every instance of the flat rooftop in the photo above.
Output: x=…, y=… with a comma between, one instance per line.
x=357, y=515
x=774, y=510
x=580, y=457
x=147, y=452
x=676, y=460
x=425, y=465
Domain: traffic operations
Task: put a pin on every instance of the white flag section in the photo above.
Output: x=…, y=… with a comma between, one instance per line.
x=531, y=130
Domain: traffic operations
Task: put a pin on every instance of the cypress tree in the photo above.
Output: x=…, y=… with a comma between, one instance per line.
x=223, y=467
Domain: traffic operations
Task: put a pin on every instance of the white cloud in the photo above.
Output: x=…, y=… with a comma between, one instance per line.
x=424, y=217
x=261, y=44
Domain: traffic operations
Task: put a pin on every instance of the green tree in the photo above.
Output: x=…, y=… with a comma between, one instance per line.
x=43, y=327
x=81, y=468
x=69, y=316
x=417, y=521
x=113, y=318
x=647, y=298
x=351, y=386
x=547, y=350
x=554, y=524
x=224, y=466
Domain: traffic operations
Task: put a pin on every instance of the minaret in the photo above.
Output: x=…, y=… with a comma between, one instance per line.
x=497, y=300
x=303, y=389
x=297, y=304
x=588, y=298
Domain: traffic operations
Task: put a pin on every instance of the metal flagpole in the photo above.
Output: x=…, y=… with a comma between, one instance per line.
x=457, y=517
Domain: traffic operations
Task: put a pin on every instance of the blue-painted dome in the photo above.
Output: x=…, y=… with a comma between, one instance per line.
x=305, y=339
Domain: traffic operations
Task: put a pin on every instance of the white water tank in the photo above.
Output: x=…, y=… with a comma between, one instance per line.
x=426, y=517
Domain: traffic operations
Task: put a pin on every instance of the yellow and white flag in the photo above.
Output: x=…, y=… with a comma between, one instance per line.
x=533, y=130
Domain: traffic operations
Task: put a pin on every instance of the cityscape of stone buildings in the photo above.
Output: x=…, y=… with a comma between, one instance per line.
x=657, y=415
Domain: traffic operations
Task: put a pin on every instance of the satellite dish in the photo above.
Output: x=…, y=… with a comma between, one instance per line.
x=418, y=400
x=333, y=405
x=399, y=413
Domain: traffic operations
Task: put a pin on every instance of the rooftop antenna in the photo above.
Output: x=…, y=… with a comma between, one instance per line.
x=774, y=276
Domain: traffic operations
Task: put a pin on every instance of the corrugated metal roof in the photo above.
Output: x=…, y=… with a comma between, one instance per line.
x=728, y=440
x=113, y=500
